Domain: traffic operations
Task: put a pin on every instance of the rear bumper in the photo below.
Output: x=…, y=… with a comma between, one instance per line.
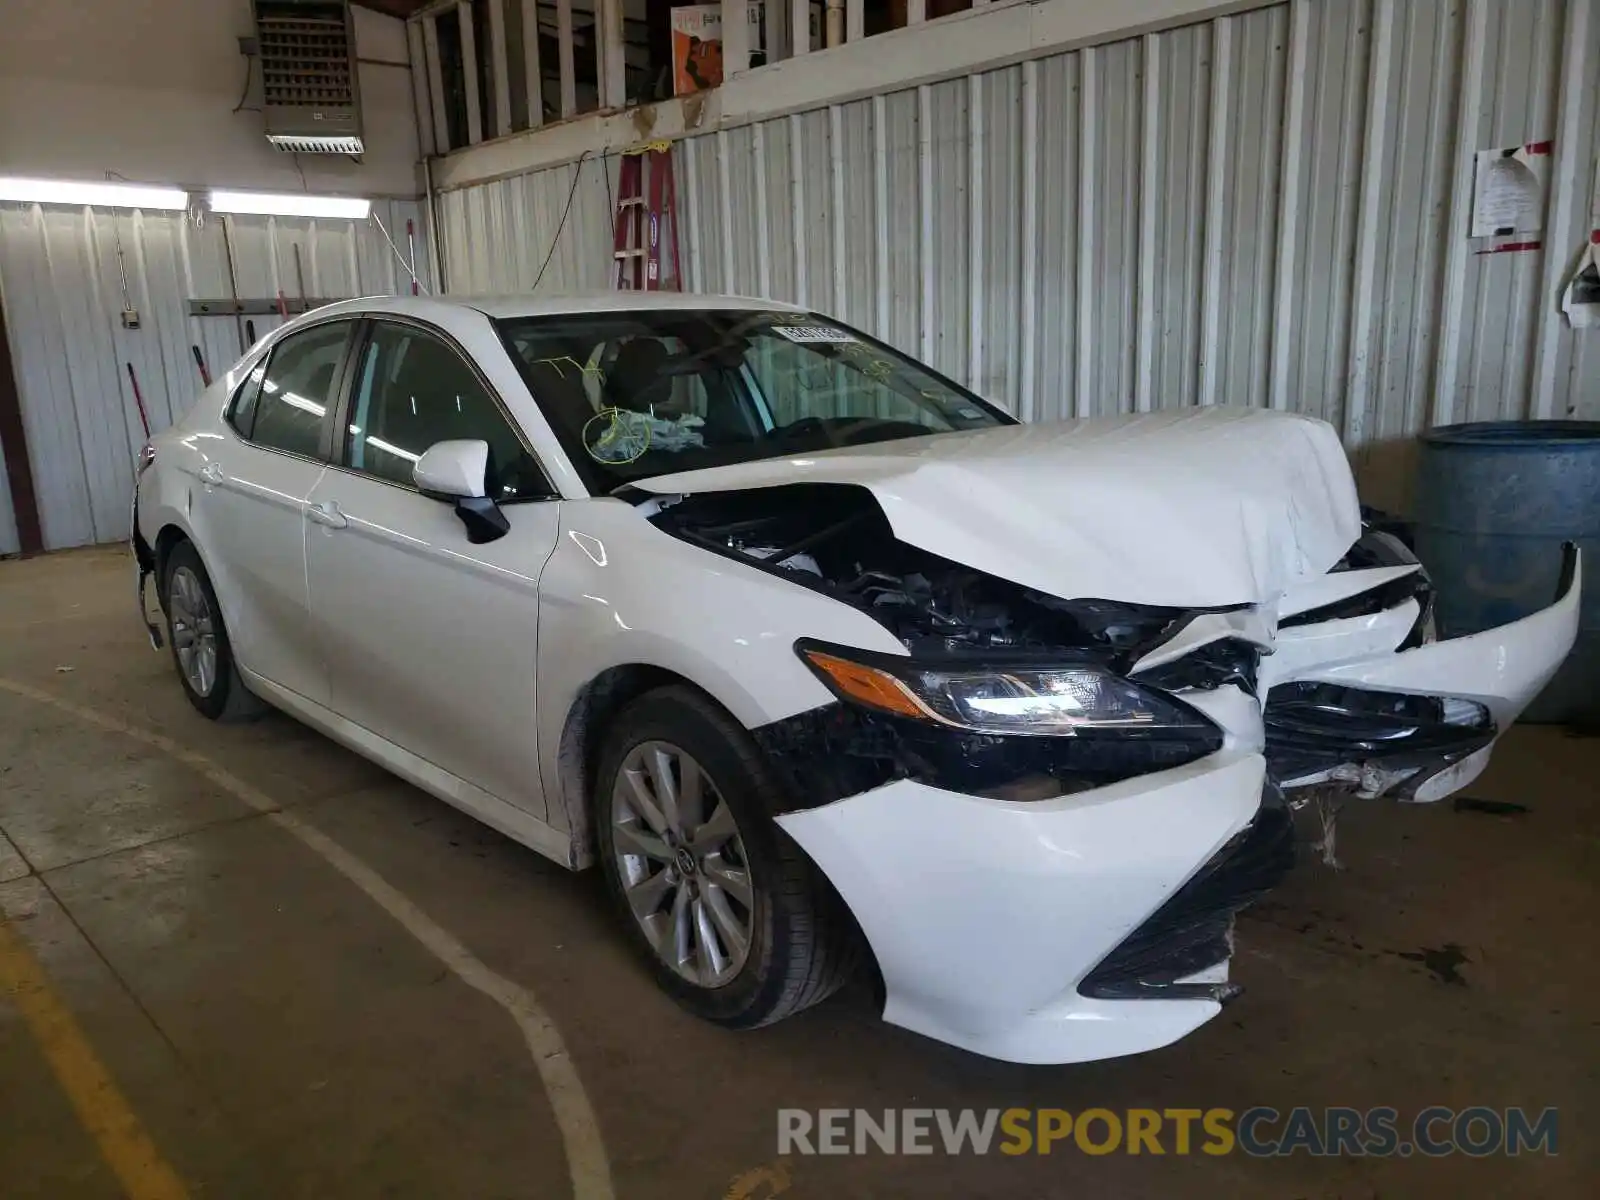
x=986, y=915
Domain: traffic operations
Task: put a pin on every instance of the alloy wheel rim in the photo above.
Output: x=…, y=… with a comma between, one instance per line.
x=682, y=864
x=194, y=634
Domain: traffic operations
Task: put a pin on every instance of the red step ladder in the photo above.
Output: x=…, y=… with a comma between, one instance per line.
x=642, y=224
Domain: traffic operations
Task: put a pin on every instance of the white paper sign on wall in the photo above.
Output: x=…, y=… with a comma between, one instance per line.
x=1508, y=190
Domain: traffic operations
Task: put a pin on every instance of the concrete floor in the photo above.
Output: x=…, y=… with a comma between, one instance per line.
x=278, y=1034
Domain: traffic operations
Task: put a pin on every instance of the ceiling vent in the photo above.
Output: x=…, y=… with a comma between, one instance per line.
x=308, y=76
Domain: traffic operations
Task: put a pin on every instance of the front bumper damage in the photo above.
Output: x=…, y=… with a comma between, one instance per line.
x=1371, y=743
x=1417, y=724
x=1099, y=922
x=1170, y=954
x=984, y=915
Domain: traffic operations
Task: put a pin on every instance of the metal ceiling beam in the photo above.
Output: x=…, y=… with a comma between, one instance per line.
x=391, y=8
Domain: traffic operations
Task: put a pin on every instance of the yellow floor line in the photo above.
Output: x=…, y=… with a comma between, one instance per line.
x=102, y=1108
x=587, y=1164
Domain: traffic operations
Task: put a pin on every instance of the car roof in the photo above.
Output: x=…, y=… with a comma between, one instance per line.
x=557, y=304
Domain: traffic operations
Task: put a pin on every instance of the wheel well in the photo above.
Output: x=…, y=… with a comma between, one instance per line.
x=578, y=757
x=166, y=540
x=578, y=761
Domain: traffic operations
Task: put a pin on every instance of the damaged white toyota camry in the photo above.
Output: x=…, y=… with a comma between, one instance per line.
x=827, y=662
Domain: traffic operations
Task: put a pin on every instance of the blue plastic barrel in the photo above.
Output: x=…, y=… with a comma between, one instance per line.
x=1494, y=503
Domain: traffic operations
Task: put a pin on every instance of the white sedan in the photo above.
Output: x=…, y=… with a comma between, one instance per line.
x=829, y=663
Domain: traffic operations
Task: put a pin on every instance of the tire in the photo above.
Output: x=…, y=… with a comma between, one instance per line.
x=802, y=943
x=193, y=613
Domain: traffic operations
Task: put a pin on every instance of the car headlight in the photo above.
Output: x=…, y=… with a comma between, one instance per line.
x=1058, y=700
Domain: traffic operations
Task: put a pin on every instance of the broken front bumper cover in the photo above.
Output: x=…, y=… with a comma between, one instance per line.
x=1187, y=942
x=1417, y=724
x=1376, y=743
x=985, y=915
x=1076, y=927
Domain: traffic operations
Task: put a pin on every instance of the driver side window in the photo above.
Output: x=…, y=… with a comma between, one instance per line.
x=411, y=391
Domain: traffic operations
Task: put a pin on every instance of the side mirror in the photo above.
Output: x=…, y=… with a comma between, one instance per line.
x=458, y=471
x=452, y=470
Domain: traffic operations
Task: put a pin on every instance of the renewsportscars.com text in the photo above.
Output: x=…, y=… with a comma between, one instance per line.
x=1260, y=1132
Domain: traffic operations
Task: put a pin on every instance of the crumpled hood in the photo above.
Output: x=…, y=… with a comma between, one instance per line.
x=1191, y=508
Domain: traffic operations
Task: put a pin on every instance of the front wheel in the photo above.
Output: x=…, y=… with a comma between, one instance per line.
x=736, y=923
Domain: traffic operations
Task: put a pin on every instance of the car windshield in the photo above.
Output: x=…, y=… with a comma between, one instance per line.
x=635, y=394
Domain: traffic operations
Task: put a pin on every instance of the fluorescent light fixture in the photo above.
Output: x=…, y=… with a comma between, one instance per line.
x=290, y=204
x=102, y=195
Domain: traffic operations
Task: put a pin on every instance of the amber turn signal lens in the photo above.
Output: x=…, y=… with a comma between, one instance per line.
x=876, y=689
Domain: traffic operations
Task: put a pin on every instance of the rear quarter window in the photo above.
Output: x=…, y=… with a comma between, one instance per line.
x=241, y=412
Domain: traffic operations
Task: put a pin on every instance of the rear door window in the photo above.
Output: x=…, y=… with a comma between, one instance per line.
x=289, y=403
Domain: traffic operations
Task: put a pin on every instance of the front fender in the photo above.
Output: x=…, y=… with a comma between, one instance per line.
x=618, y=592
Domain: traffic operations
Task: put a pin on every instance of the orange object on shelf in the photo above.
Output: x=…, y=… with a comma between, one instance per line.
x=696, y=48
x=697, y=45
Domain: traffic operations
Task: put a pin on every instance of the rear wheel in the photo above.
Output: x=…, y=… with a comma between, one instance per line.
x=199, y=640
x=735, y=922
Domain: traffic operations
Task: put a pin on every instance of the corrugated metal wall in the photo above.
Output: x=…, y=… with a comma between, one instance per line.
x=63, y=295
x=1269, y=208
x=495, y=238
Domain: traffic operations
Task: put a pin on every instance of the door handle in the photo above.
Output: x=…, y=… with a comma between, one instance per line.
x=327, y=513
x=211, y=473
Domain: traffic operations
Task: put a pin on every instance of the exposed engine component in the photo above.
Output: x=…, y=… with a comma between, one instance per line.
x=1214, y=665
x=835, y=538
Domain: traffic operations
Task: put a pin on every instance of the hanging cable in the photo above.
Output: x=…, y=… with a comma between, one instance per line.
x=577, y=174
x=411, y=268
x=244, y=92
x=605, y=174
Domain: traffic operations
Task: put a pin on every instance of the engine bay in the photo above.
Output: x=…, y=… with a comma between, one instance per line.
x=835, y=538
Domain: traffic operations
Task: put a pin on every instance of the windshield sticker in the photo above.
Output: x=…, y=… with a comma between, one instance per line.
x=865, y=360
x=814, y=334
